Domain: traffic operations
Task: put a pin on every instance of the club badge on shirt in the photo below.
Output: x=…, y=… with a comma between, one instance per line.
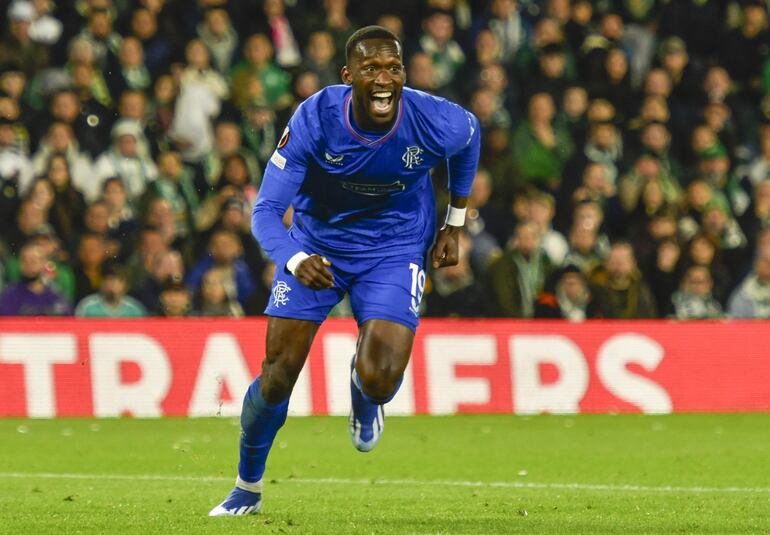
x=412, y=156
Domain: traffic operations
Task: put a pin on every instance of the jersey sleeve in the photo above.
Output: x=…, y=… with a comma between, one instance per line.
x=462, y=139
x=283, y=177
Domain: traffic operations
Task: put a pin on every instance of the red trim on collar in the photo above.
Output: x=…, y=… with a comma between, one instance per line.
x=346, y=111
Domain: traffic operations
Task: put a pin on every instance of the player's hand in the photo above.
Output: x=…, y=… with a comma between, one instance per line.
x=314, y=273
x=446, y=251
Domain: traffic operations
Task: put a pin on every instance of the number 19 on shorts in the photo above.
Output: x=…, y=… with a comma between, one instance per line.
x=418, y=287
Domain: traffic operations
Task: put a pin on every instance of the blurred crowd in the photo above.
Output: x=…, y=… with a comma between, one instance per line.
x=625, y=164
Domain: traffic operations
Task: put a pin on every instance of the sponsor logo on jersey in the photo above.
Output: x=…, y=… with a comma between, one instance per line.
x=284, y=138
x=334, y=160
x=280, y=291
x=374, y=190
x=278, y=160
x=412, y=157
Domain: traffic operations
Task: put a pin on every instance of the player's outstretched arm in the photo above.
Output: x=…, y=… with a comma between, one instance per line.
x=446, y=250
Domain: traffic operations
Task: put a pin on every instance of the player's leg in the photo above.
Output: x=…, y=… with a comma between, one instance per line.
x=385, y=300
x=265, y=406
x=382, y=355
x=295, y=313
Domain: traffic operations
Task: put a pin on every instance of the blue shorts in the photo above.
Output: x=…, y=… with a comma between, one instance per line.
x=387, y=289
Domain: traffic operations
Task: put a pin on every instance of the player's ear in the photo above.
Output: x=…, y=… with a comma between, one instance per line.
x=347, y=78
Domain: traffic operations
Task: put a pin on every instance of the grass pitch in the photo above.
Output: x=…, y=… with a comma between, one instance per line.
x=462, y=474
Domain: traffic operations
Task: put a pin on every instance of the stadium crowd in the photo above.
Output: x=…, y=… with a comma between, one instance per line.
x=625, y=166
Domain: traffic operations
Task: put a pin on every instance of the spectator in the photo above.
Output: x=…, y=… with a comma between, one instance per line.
x=517, y=277
x=175, y=300
x=125, y=160
x=30, y=217
x=45, y=29
x=99, y=33
x=551, y=76
x=260, y=132
x=743, y=50
x=15, y=166
x=90, y=135
x=498, y=159
x=751, y=300
x=111, y=301
x=60, y=139
x=175, y=184
x=339, y=25
x=228, y=141
x=693, y=300
x=235, y=182
x=586, y=248
x=130, y=72
x=121, y=220
x=259, y=299
x=225, y=252
x=287, y=54
x=198, y=70
x=235, y=216
x=68, y=206
x=541, y=212
x=165, y=265
x=628, y=295
x=161, y=110
x=604, y=146
x=437, y=41
x=91, y=255
x=573, y=113
x=217, y=295
x=540, y=146
x=506, y=24
x=157, y=50
x=455, y=291
x=57, y=274
x=18, y=44
x=486, y=223
x=32, y=296
x=219, y=36
x=320, y=58
x=665, y=272
x=257, y=76
x=571, y=298
x=703, y=250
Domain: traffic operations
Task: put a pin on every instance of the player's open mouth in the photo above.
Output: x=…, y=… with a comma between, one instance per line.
x=382, y=102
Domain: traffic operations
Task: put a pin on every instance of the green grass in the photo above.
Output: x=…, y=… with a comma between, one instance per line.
x=462, y=474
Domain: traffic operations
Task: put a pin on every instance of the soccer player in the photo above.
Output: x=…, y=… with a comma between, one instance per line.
x=354, y=162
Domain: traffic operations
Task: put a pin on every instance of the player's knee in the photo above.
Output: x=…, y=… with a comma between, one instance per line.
x=278, y=378
x=379, y=383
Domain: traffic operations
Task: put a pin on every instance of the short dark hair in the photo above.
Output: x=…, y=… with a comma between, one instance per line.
x=368, y=32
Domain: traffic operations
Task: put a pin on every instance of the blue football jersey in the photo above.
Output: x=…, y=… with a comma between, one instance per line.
x=361, y=194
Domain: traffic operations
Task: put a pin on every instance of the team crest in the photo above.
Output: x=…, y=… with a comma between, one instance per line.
x=284, y=138
x=280, y=293
x=412, y=157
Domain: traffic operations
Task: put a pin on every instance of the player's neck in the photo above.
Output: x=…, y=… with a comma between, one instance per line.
x=363, y=124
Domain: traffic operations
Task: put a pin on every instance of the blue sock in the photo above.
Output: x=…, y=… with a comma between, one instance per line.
x=370, y=399
x=260, y=422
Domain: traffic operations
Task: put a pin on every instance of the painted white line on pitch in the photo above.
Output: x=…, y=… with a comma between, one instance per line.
x=410, y=482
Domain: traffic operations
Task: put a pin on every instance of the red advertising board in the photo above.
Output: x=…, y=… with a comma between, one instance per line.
x=201, y=367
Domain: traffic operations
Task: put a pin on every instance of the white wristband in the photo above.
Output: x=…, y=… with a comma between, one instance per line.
x=455, y=217
x=294, y=261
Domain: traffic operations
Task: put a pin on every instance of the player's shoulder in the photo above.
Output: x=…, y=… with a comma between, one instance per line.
x=318, y=111
x=427, y=104
x=440, y=119
x=330, y=99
